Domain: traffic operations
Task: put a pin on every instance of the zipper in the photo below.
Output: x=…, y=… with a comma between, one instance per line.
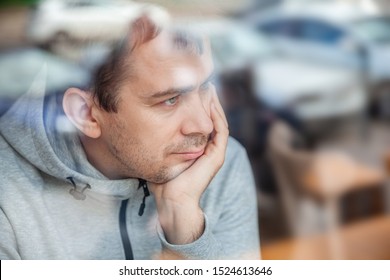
x=144, y=186
x=122, y=219
x=123, y=229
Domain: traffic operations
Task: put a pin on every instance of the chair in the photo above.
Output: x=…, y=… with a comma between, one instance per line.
x=311, y=184
x=303, y=214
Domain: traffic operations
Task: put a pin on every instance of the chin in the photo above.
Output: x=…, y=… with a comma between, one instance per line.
x=168, y=174
x=183, y=167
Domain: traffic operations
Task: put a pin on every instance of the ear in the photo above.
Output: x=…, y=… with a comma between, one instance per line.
x=80, y=110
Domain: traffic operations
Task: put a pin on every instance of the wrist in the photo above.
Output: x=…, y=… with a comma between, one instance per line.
x=181, y=224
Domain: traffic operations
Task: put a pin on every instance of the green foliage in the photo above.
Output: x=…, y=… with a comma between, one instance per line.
x=10, y=3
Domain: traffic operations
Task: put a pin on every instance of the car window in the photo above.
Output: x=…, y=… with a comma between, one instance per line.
x=321, y=32
x=286, y=28
x=80, y=4
x=86, y=3
x=240, y=44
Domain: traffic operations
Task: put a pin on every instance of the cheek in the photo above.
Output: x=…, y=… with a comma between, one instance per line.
x=144, y=125
x=159, y=132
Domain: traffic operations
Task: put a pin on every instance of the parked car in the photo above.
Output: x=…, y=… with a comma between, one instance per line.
x=335, y=33
x=19, y=68
x=313, y=90
x=54, y=21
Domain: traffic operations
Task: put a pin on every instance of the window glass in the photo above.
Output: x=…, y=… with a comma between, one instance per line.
x=316, y=31
x=288, y=28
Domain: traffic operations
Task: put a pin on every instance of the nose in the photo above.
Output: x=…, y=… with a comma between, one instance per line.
x=197, y=118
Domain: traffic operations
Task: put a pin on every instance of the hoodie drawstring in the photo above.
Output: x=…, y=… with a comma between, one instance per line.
x=79, y=195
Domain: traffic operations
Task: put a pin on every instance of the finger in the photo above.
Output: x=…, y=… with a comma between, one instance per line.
x=221, y=130
x=214, y=155
x=219, y=108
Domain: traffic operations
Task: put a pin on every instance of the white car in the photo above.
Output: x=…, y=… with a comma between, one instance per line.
x=311, y=90
x=79, y=20
x=334, y=33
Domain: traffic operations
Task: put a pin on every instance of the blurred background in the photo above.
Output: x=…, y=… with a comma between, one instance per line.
x=305, y=85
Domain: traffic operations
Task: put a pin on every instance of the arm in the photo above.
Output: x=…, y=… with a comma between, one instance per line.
x=230, y=207
x=236, y=228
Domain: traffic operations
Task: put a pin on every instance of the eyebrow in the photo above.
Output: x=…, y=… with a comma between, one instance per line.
x=172, y=91
x=180, y=91
x=208, y=79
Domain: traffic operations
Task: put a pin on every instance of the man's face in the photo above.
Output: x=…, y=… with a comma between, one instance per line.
x=163, y=121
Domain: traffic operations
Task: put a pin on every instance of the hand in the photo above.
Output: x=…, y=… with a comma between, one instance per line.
x=180, y=215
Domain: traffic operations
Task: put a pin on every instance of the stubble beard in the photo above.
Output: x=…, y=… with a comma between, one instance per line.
x=140, y=163
x=166, y=173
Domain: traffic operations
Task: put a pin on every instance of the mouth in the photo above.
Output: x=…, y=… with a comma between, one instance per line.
x=191, y=155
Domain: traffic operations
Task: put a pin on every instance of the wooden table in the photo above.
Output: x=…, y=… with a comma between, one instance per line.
x=334, y=174
x=350, y=161
x=368, y=239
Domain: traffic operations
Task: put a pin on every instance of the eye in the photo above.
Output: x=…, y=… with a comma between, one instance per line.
x=171, y=101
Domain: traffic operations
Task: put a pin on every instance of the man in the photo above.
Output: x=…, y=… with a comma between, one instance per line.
x=150, y=121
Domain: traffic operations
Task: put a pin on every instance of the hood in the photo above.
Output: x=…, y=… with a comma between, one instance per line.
x=280, y=82
x=36, y=128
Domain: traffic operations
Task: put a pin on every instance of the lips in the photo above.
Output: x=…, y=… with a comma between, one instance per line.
x=191, y=154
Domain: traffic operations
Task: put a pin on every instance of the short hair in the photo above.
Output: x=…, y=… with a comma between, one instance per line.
x=117, y=67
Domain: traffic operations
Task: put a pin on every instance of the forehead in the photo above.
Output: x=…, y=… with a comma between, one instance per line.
x=166, y=62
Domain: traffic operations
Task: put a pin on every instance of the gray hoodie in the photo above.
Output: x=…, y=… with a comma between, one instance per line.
x=55, y=205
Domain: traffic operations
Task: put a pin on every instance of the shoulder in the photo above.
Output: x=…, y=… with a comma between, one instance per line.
x=5, y=150
x=236, y=169
x=8, y=164
x=235, y=154
x=234, y=147
x=14, y=168
x=9, y=159
x=233, y=184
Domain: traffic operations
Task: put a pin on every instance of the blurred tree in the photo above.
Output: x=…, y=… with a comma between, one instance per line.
x=10, y=3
